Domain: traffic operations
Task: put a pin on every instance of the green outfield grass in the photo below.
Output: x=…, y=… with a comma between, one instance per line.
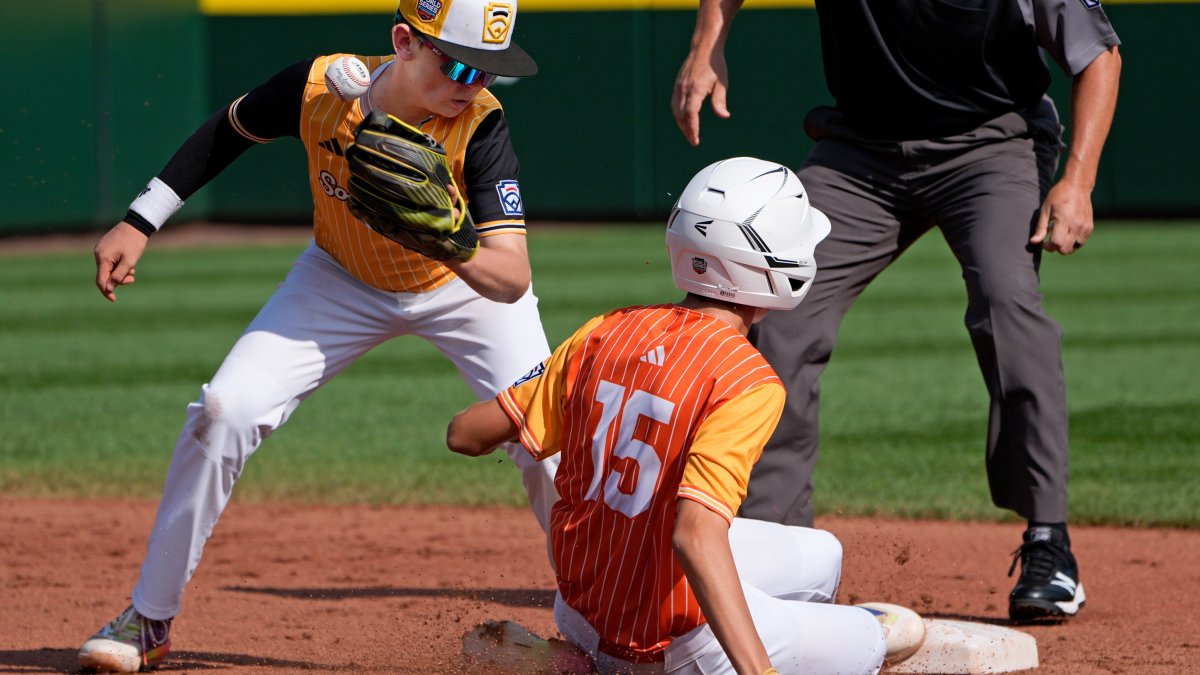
x=92, y=395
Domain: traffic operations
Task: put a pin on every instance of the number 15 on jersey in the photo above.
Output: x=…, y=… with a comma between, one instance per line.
x=635, y=465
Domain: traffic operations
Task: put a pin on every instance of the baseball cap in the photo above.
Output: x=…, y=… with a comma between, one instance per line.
x=477, y=33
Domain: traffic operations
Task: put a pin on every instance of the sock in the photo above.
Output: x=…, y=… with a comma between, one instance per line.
x=1061, y=528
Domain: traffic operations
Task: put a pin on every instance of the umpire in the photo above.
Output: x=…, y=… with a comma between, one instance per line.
x=941, y=120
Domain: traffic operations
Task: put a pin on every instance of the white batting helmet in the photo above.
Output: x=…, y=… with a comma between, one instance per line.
x=744, y=232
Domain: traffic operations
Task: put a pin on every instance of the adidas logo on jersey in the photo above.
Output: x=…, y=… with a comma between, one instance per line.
x=333, y=146
x=655, y=357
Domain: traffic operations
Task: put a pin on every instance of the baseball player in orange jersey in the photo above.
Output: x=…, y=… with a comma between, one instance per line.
x=658, y=413
x=352, y=289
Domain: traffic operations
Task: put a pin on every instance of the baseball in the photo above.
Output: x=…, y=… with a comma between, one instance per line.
x=347, y=77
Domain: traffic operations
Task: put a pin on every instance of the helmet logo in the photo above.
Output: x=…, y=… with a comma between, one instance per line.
x=699, y=265
x=702, y=228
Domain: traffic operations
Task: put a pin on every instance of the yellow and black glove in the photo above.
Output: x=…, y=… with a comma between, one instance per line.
x=400, y=186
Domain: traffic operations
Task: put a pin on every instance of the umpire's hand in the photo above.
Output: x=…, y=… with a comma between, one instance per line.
x=1065, y=221
x=703, y=75
x=117, y=253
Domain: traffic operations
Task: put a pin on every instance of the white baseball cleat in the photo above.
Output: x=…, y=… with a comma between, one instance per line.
x=127, y=644
x=902, y=628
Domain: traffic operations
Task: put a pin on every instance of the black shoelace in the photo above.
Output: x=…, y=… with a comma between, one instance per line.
x=1038, y=560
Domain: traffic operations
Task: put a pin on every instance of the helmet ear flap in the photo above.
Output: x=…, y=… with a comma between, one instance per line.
x=702, y=273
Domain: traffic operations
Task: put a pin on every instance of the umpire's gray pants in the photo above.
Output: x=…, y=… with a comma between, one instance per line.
x=983, y=191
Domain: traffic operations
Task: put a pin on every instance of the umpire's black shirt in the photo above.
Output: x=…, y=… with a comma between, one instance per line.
x=910, y=69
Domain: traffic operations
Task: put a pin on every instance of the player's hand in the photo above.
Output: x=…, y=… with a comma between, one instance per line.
x=702, y=75
x=117, y=253
x=1065, y=221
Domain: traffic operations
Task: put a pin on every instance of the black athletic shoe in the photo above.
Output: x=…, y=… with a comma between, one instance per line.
x=1049, y=587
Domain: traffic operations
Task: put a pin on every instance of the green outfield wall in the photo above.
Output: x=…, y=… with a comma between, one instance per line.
x=109, y=88
x=96, y=95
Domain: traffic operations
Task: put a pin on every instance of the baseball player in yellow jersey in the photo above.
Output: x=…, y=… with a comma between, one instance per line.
x=658, y=414
x=352, y=289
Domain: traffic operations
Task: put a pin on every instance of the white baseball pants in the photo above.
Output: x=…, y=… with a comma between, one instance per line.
x=319, y=321
x=790, y=576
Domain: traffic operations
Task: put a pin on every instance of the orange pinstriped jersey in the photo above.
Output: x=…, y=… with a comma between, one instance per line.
x=647, y=405
x=327, y=126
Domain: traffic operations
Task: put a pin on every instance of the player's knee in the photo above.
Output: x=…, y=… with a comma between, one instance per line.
x=823, y=564
x=828, y=553
x=230, y=422
x=227, y=407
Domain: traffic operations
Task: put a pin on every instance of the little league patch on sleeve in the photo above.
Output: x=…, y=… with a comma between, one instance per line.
x=1091, y=4
x=510, y=198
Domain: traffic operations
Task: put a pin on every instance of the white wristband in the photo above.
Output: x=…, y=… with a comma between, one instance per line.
x=156, y=203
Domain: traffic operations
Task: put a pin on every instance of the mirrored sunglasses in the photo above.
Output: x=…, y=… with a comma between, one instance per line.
x=457, y=70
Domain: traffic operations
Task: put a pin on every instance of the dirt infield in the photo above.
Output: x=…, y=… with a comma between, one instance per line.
x=287, y=588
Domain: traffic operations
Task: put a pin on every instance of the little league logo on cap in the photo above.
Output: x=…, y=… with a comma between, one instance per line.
x=477, y=33
x=499, y=22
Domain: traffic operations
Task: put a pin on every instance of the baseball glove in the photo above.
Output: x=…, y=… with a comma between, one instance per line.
x=400, y=187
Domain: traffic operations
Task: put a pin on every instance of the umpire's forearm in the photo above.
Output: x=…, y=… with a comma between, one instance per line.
x=1093, y=102
x=498, y=274
x=713, y=19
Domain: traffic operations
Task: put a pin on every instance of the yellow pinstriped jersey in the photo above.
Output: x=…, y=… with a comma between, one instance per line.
x=326, y=127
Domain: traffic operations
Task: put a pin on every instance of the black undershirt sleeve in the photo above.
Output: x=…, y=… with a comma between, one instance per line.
x=269, y=111
x=489, y=160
